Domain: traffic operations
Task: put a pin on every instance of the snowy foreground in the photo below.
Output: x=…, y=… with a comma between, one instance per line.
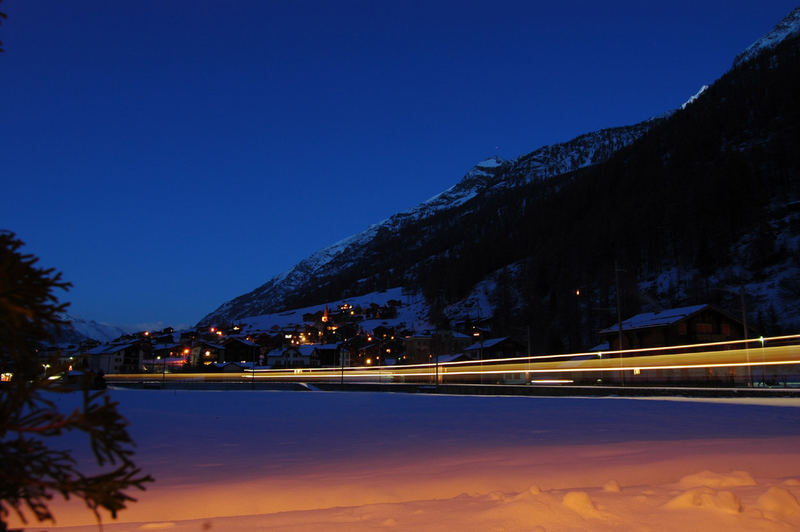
x=261, y=460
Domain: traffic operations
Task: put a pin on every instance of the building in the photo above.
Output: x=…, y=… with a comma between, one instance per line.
x=119, y=358
x=503, y=347
x=301, y=356
x=419, y=348
x=328, y=355
x=204, y=353
x=241, y=350
x=445, y=342
x=677, y=326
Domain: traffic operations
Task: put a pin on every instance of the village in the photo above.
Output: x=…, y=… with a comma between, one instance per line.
x=358, y=335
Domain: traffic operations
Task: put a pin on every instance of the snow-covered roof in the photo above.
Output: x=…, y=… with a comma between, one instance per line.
x=451, y=358
x=655, y=319
x=244, y=341
x=485, y=344
x=327, y=347
x=108, y=348
x=161, y=347
x=306, y=350
x=209, y=344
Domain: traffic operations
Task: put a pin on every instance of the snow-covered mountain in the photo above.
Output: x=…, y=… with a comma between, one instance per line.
x=788, y=27
x=80, y=329
x=705, y=197
x=486, y=177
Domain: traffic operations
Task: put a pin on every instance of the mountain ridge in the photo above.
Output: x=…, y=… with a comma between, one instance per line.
x=787, y=27
x=543, y=163
x=687, y=202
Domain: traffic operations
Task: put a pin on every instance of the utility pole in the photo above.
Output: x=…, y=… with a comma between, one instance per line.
x=437, y=369
x=619, y=323
x=746, y=347
x=528, y=374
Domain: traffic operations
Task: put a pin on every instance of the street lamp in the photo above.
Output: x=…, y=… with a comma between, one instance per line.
x=619, y=321
x=163, y=370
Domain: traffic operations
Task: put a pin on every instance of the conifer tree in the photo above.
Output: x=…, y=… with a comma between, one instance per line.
x=31, y=471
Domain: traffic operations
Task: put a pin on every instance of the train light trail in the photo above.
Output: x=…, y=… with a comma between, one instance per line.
x=637, y=364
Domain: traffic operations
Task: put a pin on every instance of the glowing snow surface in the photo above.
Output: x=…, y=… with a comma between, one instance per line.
x=243, y=461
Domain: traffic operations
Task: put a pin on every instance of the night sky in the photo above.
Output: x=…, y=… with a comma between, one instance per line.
x=170, y=155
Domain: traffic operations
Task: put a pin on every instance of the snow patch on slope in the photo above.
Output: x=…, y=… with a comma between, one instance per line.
x=412, y=314
x=695, y=97
x=789, y=26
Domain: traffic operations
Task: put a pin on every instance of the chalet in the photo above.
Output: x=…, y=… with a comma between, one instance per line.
x=419, y=348
x=677, y=326
x=240, y=350
x=328, y=355
x=372, y=354
x=171, y=350
x=503, y=347
x=204, y=353
x=301, y=356
x=119, y=358
x=445, y=342
x=188, y=336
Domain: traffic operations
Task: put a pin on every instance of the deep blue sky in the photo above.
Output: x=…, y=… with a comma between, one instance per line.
x=170, y=155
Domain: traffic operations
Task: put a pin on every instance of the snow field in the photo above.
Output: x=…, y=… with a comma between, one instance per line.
x=371, y=461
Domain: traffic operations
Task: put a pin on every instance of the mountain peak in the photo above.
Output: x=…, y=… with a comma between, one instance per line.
x=488, y=176
x=492, y=162
x=789, y=26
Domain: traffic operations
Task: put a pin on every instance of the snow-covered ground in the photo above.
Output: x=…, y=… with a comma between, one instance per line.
x=322, y=461
x=412, y=313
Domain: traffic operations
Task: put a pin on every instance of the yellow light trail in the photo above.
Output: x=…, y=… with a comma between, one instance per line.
x=739, y=353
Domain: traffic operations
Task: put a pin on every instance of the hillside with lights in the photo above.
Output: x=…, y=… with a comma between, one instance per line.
x=684, y=209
